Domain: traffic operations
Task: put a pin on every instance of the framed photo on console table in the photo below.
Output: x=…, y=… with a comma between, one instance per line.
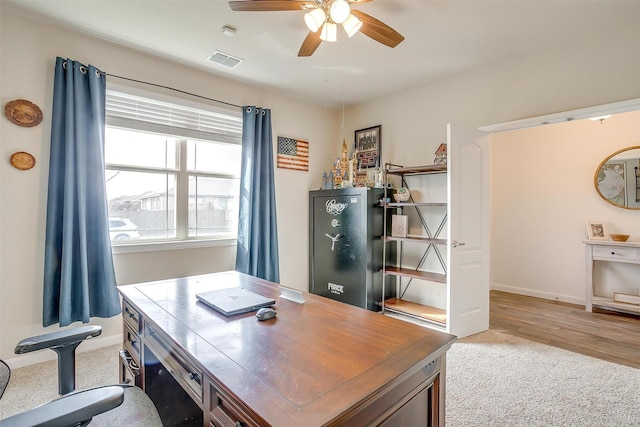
x=367, y=144
x=597, y=230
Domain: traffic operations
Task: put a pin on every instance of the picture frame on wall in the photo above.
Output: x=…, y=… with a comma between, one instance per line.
x=367, y=146
x=597, y=230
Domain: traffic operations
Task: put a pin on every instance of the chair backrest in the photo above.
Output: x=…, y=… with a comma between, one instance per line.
x=5, y=373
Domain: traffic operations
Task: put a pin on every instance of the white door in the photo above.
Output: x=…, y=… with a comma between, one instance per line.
x=468, y=250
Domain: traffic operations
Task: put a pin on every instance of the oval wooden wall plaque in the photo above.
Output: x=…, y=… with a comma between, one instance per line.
x=23, y=113
x=22, y=160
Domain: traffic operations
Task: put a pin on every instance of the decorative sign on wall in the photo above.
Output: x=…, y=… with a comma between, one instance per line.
x=293, y=154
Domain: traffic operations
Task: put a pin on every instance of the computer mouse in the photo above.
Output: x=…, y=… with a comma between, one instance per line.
x=266, y=313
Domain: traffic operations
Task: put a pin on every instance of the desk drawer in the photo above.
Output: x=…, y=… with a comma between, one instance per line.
x=129, y=370
x=226, y=413
x=131, y=342
x=613, y=253
x=184, y=372
x=131, y=317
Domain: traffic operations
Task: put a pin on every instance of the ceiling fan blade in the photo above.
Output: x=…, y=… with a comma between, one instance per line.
x=310, y=44
x=269, y=5
x=378, y=30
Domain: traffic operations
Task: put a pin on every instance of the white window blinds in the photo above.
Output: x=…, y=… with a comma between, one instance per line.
x=150, y=115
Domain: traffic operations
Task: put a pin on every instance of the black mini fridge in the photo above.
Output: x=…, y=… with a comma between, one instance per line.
x=345, y=239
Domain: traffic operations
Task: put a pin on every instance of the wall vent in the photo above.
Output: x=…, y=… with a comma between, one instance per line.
x=224, y=59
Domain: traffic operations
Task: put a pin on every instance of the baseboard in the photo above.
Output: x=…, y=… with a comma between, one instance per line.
x=45, y=355
x=538, y=294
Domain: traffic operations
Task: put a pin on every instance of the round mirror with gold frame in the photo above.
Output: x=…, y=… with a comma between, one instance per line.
x=617, y=178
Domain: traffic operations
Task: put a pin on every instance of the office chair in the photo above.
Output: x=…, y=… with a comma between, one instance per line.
x=5, y=374
x=116, y=405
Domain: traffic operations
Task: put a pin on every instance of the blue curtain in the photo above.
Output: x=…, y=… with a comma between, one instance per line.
x=79, y=279
x=257, y=252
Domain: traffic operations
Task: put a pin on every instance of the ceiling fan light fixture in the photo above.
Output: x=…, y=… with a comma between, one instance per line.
x=339, y=11
x=314, y=19
x=329, y=32
x=352, y=25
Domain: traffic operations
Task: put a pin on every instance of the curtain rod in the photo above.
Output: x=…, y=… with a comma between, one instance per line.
x=171, y=88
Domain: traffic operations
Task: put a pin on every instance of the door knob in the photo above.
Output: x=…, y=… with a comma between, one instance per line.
x=455, y=243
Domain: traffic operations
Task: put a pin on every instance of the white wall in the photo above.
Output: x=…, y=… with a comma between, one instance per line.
x=543, y=194
x=573, y=74
x=28, y=51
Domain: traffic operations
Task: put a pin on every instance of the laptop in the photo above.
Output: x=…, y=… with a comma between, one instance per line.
x=232, y=301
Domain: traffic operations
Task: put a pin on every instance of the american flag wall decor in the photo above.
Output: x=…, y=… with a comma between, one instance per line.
x=293, y=154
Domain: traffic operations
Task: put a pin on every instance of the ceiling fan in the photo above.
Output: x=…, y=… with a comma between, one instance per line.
x=323, y=17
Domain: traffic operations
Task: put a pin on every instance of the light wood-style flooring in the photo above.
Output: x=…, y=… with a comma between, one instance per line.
x=603, y=334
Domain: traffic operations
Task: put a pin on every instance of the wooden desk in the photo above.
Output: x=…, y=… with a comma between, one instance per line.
x=318, y=363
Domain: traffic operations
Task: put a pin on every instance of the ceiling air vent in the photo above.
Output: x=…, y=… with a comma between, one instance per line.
x=224, y=59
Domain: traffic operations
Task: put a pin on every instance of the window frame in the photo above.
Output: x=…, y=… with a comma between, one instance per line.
x=182, y=240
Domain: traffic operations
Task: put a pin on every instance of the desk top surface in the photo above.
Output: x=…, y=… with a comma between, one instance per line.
x=312, y=360
x=626, y=244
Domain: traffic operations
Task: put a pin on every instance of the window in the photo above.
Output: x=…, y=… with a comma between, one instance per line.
x=172, y=169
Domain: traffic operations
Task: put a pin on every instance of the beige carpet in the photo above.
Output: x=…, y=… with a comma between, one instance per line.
x=493, y=379
x=34, y=385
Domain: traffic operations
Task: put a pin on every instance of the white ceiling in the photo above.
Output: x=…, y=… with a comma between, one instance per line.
x=442, y=37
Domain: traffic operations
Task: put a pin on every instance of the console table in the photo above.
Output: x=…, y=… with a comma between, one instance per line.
x=318, y=363
x=609, y=251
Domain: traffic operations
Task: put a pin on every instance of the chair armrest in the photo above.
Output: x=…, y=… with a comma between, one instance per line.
x=70, y=409
x=55, y=339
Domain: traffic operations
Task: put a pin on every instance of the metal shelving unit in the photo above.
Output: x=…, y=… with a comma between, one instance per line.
x=433, y=244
